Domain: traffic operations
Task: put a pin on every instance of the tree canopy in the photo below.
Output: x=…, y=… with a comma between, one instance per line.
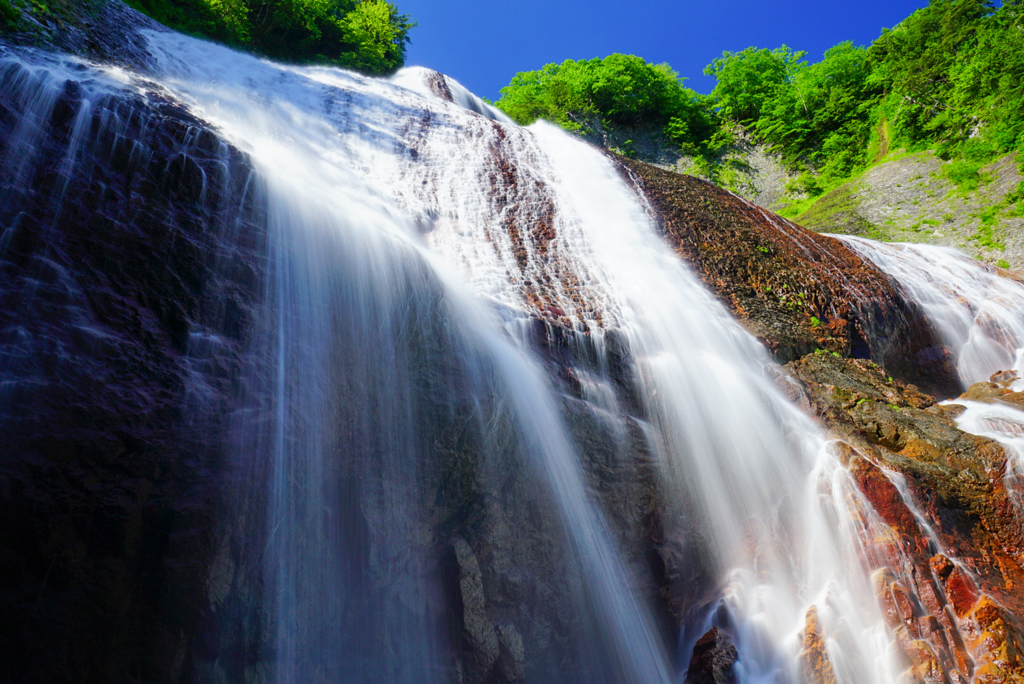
x=950, y=77
x=366, y=35
x=618, y=89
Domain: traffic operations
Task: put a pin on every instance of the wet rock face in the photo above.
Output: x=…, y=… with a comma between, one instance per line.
x=127, y=282
x=101, y=30
x=714, y=660
x=815, y=665
x=795, y=290
x=955, y=609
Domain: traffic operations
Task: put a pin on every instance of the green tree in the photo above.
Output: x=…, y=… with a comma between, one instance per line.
x=616, y=90
x=751, y=80
x=366, y=35
x=915, y=63
x=376, y=35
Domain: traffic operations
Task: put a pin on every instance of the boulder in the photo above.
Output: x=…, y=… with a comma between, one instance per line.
x=713, y=660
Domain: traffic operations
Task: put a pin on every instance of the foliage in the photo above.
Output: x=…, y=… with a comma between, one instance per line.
x=748, y=81
x=949, y=78
x=618, y=90
x=9, y=15
x=815, y=115
x=366, y=35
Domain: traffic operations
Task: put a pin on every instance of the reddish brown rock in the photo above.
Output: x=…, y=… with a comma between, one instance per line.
x=794, y=289
x=955, y=481
x=984, y=391
x=961, y=591
x=1004, y=378
x=999, y=654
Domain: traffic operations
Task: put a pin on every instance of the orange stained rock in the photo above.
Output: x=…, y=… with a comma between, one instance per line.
x=815, y=664
x=997, y=648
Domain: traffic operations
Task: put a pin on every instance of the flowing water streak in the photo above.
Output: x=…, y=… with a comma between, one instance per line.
x=978, y=313
x=731, y=447
x=730, y=442
x=333, y=149
x=36, y=84
x=1005, y=424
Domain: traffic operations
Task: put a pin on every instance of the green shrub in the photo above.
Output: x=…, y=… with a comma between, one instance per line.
x=618, y=89
x=965, y=174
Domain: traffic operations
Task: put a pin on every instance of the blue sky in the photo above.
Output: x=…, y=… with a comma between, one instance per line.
x=483, y=44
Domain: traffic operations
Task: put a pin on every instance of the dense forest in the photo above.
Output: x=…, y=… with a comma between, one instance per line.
x=949, y=78
x=366, y=35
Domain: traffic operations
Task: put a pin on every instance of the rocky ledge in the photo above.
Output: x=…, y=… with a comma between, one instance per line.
x=950, y=541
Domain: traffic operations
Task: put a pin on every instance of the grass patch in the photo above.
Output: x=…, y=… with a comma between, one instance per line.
x=965, y=175
x=985, y=236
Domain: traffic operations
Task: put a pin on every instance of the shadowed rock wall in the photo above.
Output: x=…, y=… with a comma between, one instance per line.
x=128, y=274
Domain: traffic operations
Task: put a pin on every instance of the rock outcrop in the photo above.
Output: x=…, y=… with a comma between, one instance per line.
x=939, y=492
x=127, y=289
x=713, y=660
x=795, y=290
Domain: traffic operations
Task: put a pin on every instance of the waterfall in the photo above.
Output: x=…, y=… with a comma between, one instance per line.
x=454, y=305
x=976, y=311
x=979, y=315
x=339, y=155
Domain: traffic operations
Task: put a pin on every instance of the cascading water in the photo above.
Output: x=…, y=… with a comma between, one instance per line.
x=976, y=311
x=413, y=245
x=979, y=315
x=748, y=469
x=343, y=270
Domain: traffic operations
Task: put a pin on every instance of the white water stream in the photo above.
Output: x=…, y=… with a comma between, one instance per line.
x=978, y=314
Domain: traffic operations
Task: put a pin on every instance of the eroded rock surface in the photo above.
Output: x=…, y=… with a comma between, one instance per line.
x=126, y=305
x=713, y=660
x=795, y=290
x=951, y=546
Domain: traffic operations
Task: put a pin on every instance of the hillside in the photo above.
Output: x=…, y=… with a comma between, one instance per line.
x=907, y=198
x=917, y=136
